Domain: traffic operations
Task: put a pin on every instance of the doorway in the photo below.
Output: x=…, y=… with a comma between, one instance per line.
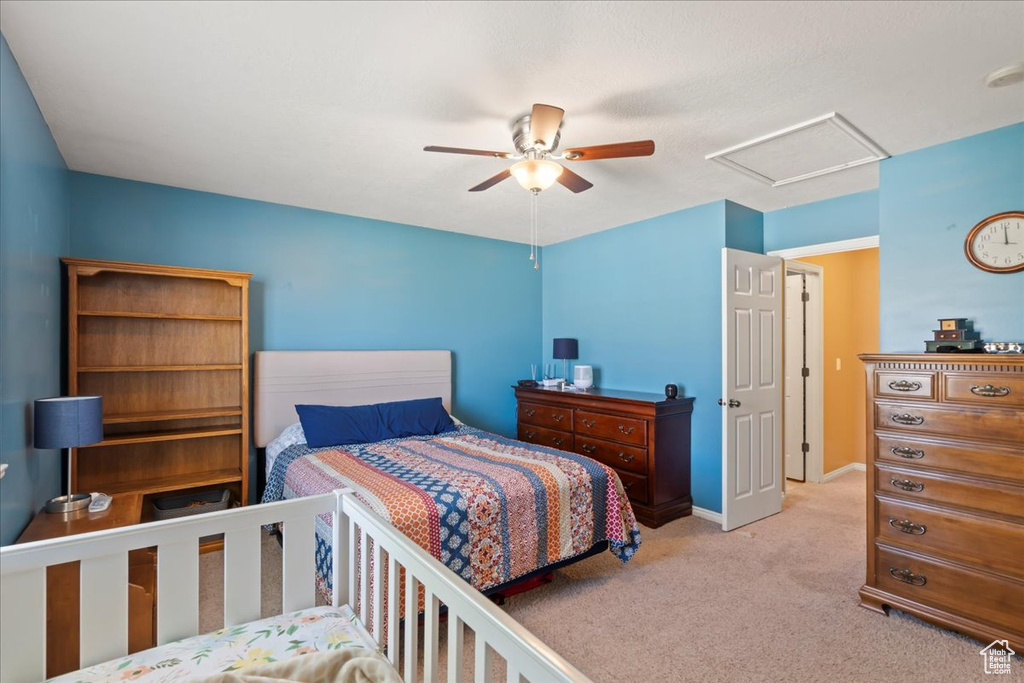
x=831, y=317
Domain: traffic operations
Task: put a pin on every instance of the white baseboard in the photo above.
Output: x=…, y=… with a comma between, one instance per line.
x=852, y=467
x=710, y=515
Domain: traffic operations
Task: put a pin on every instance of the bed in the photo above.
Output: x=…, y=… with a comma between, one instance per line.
x=353, y=622
x=494, y=510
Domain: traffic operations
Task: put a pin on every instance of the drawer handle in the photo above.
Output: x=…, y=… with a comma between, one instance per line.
x=989, y=390
x=627, y=432
x=557, y=440
x=588, y=423
x=907, y=453
x=907, y=485
x=626, y=486
x=530, y=412
x=907, y=527
x=908, y=419
x=904, y=385
x=588, y=448
x=626, y=457
x=531, y=435
x=557, y=417
x=907, y=576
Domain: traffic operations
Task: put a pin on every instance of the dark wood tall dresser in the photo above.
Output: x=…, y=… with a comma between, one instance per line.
x=945, y=513
x=644, y=437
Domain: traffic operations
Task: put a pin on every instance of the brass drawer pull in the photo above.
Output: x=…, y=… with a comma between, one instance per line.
x=625, y=431
x=626, y=486
x=907, y=453
x=588, y=448
x=907, y=485
x=904, y=385
x=624, y=457
x=531, y=435
x=907, y=527
x=908, y=419
x=557, y=440
x=907, y=576
x=530, y=412
x=989, y=390
x=588, y=423
x=557, y=417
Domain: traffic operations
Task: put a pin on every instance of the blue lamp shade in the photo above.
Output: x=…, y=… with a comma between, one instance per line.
x=566, y=349
x=68, y=421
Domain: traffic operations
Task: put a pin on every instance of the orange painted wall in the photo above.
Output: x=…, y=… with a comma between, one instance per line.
x=851, y=327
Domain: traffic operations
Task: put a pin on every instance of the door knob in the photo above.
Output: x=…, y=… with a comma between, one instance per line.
x=733, y=403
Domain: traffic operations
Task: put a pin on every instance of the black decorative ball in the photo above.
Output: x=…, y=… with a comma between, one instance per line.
x=671, y=391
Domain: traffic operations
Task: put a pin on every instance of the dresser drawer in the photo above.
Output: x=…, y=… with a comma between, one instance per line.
x=987, y=390
x=987, y=461
x=990, y=496
x=634, y=485
x=917, y=385
x=621, y=429
x=613, y=454
x=546, y=416
x=980, y=596
x=974, y=539
x=974, y=423
x=545, y=437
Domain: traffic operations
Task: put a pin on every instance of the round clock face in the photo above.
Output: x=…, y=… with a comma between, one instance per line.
x=996, y=244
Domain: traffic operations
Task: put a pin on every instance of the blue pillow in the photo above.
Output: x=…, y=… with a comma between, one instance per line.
x=347, y=425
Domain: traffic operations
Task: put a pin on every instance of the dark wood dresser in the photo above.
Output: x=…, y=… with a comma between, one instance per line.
x=945, y=513
x=644, y=437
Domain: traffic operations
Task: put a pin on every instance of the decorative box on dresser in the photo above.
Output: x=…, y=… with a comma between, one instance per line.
x=945, y=513
x=644, y=437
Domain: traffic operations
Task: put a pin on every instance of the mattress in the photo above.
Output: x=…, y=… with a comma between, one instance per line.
x=318, y=629
x=491, y=508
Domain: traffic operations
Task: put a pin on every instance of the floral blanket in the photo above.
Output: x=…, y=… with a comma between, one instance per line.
x=492, y=509
x=319, y=629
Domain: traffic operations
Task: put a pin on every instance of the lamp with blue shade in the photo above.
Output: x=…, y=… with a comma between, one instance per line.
x=566, y=349
x=67, y=422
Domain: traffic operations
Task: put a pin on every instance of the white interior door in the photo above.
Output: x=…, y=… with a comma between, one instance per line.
x=752, y=295
x=794, y=407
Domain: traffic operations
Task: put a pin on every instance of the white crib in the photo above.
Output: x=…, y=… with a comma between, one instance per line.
x=104, y=595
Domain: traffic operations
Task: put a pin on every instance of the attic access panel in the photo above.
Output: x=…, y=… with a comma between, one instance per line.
x=823, y=145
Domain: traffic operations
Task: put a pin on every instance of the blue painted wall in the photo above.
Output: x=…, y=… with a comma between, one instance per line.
x=644, y=300
x=830, y=220
x=744, y=228
x=328, y=281
x=928, y=202
x=33, y=234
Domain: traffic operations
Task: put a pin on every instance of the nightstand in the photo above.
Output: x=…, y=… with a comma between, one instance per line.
x=62, y=581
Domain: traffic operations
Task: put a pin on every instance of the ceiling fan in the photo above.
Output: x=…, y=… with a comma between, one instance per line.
x=535, y=137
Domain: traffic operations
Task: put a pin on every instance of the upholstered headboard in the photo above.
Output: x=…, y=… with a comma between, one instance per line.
x=342, y=378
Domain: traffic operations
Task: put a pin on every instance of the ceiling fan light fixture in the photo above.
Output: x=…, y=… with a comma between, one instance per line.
x=536, y=174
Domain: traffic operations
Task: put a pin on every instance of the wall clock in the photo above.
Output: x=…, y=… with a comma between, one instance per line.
x=996, y=244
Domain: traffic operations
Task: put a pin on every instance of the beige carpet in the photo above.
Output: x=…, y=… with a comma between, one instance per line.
x=774, y=601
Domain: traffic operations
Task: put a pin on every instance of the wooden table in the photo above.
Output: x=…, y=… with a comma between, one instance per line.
x=62, y=581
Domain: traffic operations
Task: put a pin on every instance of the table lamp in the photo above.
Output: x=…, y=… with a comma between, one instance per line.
x=66, y=422
x=566, y=350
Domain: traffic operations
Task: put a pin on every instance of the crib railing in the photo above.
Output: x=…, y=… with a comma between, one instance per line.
x=103, y=557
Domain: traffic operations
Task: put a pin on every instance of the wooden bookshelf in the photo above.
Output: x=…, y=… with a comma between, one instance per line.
x=167, y=349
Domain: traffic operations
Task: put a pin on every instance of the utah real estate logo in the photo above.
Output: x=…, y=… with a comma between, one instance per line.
x=997, y=657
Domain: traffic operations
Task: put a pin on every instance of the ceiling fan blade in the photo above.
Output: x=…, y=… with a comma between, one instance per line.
x=573, y=181
x=544, y=123
x=640, y=148
x=492, y=181
x=462, y=150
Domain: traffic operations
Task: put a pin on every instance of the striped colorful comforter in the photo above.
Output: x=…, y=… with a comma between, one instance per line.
x=492, y=509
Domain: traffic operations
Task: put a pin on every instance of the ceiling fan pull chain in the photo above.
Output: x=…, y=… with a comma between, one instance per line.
x=534, y=251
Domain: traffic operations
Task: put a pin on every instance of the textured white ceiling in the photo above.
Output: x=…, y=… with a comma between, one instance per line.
x=328, y=105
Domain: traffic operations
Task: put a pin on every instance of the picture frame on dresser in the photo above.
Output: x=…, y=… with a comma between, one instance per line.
x=644, y=437
x=945, y=503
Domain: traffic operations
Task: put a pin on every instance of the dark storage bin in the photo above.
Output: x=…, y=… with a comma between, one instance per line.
x=173, y=507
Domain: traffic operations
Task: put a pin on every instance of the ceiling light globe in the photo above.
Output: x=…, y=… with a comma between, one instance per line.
x=536, y=174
